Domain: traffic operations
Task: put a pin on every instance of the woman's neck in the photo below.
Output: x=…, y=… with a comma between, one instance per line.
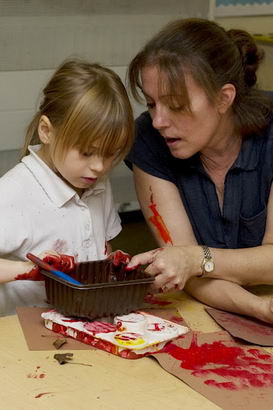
x=223, y=149
x=218, y=159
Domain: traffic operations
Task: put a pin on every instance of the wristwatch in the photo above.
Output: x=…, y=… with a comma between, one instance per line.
x=207, y=264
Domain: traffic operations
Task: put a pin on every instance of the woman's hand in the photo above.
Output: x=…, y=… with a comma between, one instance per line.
x=172, y=266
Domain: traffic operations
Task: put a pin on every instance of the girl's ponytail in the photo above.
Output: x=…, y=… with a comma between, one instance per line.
x=31, y=134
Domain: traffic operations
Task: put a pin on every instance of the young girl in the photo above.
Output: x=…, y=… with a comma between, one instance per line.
x=58, y=197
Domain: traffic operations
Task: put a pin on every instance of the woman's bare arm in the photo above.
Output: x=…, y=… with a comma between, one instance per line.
x=249, y=266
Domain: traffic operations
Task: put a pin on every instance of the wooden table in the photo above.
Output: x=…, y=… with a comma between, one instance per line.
x=111, y=382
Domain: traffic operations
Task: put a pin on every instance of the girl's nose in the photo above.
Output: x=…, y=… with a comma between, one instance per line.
x=96, y=163
x=159, y=118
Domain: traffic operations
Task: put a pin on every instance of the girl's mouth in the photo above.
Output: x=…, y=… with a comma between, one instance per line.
x=89, y=180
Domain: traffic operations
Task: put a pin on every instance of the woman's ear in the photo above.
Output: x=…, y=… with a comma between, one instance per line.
x=45, y=130
x=226, y=97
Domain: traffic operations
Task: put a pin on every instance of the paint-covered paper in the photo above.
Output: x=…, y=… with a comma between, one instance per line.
x=246, y=328
x=229, y=374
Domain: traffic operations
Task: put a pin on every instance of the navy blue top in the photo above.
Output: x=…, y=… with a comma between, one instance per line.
x=247, y=186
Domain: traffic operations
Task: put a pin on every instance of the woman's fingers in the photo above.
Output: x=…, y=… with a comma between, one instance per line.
x=143, y=258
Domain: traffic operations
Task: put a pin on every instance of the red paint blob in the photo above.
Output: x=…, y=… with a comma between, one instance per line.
x=99, y=327
x=36, y=374
x=238, y=367
x=42, y=394
x=154, y=301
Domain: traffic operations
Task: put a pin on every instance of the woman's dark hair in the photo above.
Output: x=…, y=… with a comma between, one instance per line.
x=213, y=57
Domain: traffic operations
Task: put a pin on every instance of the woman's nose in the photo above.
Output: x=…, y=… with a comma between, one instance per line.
x=96, y=163
x=160, y=118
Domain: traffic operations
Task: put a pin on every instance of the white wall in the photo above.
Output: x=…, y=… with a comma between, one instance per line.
x=37, y=35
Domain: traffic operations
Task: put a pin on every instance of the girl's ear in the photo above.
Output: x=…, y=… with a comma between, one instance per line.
x=226, y=97
x=45, y=130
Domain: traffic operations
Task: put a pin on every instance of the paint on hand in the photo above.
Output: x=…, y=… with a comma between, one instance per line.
x=158, y=222
x=65, y=263
x=34, y=274
x=239, y=367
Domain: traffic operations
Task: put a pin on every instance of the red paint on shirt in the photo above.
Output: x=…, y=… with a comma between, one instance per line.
x=158, y=222
x=238, y=367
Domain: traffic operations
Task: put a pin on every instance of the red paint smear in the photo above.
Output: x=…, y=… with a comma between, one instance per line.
x=240, y=368
x=65, y=263
x=99, y=327
x=97, y=343
x=42, y=394
x=158, y=222
x=36, y=375
x=157, y=327
x=263, y=329
x=176, y=319
x=34, y=274
x=154, y=301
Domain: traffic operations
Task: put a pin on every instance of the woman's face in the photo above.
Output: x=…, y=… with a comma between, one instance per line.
x=185, y=133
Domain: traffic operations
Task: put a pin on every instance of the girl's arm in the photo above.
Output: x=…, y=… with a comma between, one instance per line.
x=10, y=270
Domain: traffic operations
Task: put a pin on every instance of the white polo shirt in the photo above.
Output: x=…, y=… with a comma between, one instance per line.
x=39, y=212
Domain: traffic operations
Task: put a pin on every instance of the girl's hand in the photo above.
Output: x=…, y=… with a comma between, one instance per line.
x=119, y=257
x=172, y=266
x=65, y=263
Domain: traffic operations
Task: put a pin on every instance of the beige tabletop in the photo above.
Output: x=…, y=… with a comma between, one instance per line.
x=35, y=380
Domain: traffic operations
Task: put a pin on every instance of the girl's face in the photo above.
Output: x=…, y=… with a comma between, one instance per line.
x=78, y=169
x=82, y=169
x=185, y=133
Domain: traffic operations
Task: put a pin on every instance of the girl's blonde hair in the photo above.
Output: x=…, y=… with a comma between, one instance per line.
x=85, y=103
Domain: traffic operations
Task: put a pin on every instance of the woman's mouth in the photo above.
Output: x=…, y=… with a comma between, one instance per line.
x=171, y=141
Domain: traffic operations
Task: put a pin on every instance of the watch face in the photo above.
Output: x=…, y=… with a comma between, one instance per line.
x=209, y=266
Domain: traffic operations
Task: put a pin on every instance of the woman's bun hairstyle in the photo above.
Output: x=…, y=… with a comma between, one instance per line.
x=251, y=55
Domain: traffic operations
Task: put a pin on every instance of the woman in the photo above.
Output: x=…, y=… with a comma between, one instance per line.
x=203, y=164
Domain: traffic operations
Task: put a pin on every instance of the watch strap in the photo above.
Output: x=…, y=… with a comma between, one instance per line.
x=207, y=257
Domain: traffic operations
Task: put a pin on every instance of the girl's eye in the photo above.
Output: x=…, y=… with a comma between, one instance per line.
x=87, y=154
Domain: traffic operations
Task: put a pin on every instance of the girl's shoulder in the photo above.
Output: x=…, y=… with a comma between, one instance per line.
x=13, y=182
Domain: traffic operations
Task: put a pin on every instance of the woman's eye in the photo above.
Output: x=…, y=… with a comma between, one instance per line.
x=176, y=108
x=150, y=105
